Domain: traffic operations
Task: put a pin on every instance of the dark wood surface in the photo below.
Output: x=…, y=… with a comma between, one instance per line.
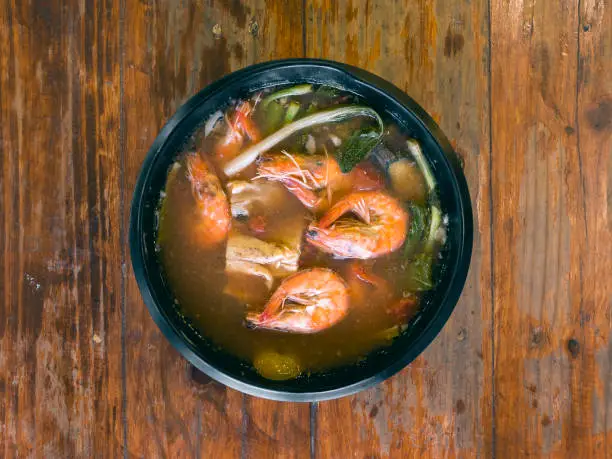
x=522, y=89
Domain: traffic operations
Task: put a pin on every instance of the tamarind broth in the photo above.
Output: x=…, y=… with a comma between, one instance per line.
x=200, y=284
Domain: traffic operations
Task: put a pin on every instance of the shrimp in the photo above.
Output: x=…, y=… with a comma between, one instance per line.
x=381, y=230
x=239, y=126
x=306, y=302
x=364, y=285
x=310, y=178
x=211, y=203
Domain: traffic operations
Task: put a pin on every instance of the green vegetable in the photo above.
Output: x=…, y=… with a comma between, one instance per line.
x=388, y=334
x=324, y=95
x=420, y=273
x=298, y=90
x=292, y=111
x=273, y=117
x=326, y=116
x=415, y=149
x=425, y=228
x=434, y=225
x=355, y=148
x=418, y=226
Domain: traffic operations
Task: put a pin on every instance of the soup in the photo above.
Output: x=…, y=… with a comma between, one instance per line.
x=299, y=230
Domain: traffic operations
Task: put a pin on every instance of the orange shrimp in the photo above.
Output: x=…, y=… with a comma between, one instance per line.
x=364, y=284
x=212, y=206
x=310, y=178
x=382, y=228
x=306, y=302
x=240, y=125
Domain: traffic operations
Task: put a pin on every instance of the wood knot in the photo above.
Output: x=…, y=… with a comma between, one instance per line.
x=599, y=114
x=537, y=337
x=254, y=28
x=573, y=347
x=453, y=43
x=460, y=406
x=217, y=31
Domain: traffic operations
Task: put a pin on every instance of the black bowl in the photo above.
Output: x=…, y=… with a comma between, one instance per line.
x=438, y=304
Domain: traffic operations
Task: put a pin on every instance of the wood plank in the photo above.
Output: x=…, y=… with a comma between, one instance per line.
x=171, y=53
x=594, y=137
x=437, y=53
x=551, y=310
x=60, y=353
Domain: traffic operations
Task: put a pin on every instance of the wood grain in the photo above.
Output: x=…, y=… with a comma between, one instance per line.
x=594, y=139
x=551, y=313
x=437, y=53
x=60, y=343
x=522, y=90
x=172, y=50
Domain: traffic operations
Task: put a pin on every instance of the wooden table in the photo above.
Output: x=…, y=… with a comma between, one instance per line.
x=522, y=89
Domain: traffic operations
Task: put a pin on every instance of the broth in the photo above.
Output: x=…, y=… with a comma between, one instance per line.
x=268, y=214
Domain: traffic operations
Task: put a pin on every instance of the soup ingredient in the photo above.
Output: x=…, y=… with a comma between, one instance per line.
x=314, y=179
x=243, y=252
x=383, y=157
x=243, y=122
x=436, y=231
x=337, y=141
x=407, y=181
x=248, y=198
x=365, y=177
x=212, y=207
x=237, y=266
x=420, y=270
x=364, y=284
x=298, y=90
x=237, y=127
x=415, y=150
x=356, y=147
x=403, y=308
x=271, y=117
x=292, y=111
x=275, y=366
x=389, y=334
x=418, y=230
x=311, y=144
x=306, y=302
x=310, y=178
x=381, y=229
x=323, y=117
x=404, y=175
